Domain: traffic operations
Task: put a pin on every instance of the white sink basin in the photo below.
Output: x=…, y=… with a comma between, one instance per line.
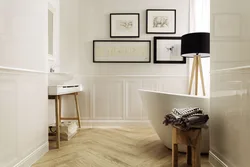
x=59, y=78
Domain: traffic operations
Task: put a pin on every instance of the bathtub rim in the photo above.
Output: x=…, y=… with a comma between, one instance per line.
x=175, y=94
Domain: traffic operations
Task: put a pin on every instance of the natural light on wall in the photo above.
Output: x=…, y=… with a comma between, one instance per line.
x=200, y=22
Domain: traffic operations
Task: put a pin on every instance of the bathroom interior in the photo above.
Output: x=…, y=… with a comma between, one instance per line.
x=120, y=104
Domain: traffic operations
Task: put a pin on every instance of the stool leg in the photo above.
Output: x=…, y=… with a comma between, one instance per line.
x=189, y=155
x=196, y=162
x=174, y=155
x=57, y=122
x=77, y=110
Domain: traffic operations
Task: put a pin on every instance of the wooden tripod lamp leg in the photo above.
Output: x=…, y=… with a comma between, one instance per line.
x=196, y=74
x=192, y=77
x=201, y=75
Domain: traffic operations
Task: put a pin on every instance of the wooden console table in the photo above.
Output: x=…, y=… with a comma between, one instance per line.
x=58, y=113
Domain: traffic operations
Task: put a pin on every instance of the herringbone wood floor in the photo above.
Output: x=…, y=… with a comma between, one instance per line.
x=123, y=147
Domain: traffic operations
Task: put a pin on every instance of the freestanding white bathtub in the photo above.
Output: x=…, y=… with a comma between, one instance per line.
x=158, y=104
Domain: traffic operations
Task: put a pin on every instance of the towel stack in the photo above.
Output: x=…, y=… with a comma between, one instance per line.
x=186, y=118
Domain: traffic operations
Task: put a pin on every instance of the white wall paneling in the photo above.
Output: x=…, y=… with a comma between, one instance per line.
x=23, y=81
x=133, y=102
x=23, y=116
x=110, y=98
x=107, y=99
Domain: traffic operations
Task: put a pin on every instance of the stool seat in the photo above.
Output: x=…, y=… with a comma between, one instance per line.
x=191, y=138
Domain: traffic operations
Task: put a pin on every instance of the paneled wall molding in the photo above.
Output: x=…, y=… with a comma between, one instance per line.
x=215, y=161
x=129, y=76
x=117, y=97
x=11, y=70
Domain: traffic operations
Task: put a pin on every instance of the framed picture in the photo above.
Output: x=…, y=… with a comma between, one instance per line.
x=124, y=25
x=121, y=51
x=168, y=50
x=161, y=21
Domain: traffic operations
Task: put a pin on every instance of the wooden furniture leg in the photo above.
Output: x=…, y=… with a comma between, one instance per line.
x=189, y=155
x=191, y=138
x=196, y=162
x=192, y=77
x=57, y=121
x=77, y=110
x=196, y=75
x=60, y=107
x=201, y=75
x=174, y=148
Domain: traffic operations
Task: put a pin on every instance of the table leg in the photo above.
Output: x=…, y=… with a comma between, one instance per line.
x=77, y=110
x=60, y=108
x=57, y=110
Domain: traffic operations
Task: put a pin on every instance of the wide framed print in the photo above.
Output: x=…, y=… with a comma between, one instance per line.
x=161, y=21
x=124, y=25
x=167, y=50
x=121, y=51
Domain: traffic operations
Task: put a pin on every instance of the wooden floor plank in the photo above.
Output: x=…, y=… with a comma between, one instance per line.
x=121, y=147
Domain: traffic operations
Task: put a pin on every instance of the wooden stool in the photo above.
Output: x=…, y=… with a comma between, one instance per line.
x=191, y=138
x=58, y=112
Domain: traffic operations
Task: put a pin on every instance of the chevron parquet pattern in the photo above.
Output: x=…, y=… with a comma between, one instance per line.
x=121, y=147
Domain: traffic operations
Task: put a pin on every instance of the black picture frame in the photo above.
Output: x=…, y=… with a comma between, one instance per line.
x=160, y=10
x=156, y=61
x=117, y=41
x=124, y=36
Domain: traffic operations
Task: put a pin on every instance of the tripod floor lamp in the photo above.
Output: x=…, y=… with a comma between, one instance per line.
x=196, y=46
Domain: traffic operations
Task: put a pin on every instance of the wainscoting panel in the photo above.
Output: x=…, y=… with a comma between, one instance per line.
x=100, y=100
x=116, y=98
x=133, y=102
x=23, y=116
x=107, y=99
x=149, y=84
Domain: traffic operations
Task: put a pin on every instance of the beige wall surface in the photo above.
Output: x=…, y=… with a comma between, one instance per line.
x=229, y=123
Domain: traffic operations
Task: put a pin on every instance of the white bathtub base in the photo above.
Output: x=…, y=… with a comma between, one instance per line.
x=158, y=104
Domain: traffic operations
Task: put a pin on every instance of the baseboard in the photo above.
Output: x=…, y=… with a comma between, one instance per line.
x=113, y=123
x=215, y=161
x=34, y=156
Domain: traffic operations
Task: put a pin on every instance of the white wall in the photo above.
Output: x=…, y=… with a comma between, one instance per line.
x=111, y=89
x=23, y=91
x=94, y=24
x=229, y=123
x=21, y=23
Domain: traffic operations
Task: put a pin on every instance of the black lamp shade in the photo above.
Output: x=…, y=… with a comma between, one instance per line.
x=195, y=44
